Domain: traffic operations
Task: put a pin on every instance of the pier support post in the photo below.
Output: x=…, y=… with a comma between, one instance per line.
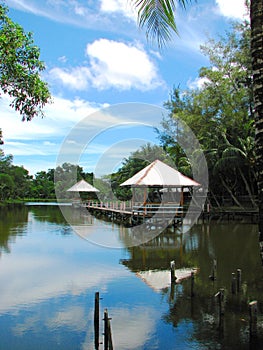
x=214, y=270
x=192, y=284
x=172, y=267
x=96, y=320
x=220, y=295
x=234, y=283
x=106, y=330
x=239, y=274
x=253, y=311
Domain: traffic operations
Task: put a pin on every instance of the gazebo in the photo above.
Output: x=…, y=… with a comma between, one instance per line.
x=164, y=179
x=82, y=186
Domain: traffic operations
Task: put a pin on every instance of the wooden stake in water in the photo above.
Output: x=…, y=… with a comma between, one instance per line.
x=172, y=266
x=108, y=345
x=234, y=283
x=220, y=295
x=239, y=273
x=192, y=283
x=253, y=311
x=96, y=320
x=214, y=270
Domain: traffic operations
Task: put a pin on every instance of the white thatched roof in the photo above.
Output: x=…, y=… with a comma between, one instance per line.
x=82, y=186
x=159, y=174
x=160, y=279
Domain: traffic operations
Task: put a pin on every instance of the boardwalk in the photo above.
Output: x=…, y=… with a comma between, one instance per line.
x=132, y=214
x=128, y=213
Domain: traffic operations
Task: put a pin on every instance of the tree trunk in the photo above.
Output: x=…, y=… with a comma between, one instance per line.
x=230, y=192
x=250, y=194
x=256, y=19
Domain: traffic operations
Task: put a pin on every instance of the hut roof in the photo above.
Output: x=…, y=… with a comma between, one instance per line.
x=160, y=279
x=159, y=174
x=82, y=186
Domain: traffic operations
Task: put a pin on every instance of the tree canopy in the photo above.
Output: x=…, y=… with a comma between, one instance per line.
x=20, y=69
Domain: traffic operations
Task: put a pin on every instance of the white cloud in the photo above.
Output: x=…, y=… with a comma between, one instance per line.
x=198, y=83
x=121, y=6
x=76, y=78
x=232, y=9
x=61, y=115
x=123, y=66
x=111, y=64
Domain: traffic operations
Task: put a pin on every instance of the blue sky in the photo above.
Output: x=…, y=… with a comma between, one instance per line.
x=97, y=58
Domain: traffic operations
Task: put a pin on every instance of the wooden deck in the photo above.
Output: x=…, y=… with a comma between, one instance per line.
x=125, y=212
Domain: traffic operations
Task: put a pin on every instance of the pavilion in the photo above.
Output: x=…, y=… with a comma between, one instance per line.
x=165, y=180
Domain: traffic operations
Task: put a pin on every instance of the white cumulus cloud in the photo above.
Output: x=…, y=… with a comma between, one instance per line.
x=112, y=64
x=121, y=6
x=232, y=9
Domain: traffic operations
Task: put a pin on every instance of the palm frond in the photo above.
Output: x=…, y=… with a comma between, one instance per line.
x=158, y=16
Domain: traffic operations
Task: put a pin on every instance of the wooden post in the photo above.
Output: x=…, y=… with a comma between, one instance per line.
x=234, y=283
x=108, y=345
x=172, y=266
x=239, y=273
x=253, y=310
x=110, y=336
x=214, y=270
x=192, y=283
x=220, y=295
x=96, y=320
x=106, y=330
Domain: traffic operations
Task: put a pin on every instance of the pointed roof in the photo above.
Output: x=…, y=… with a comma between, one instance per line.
x=159, y=174
x=82, y=186
x=160, y=279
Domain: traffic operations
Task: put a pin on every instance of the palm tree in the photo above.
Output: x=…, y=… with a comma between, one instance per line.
x=158, y=18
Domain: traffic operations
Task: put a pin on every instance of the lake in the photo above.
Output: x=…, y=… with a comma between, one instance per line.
x=49, y=275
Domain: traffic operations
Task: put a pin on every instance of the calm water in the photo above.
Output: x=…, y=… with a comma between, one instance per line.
x=49, y=275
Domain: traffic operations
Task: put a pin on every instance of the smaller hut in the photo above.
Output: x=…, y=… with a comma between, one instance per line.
x=84, y=187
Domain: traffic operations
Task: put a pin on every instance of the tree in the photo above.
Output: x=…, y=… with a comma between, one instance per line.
x=6, y=186
x=158, y=17
x=256, y=19
x=20, y=69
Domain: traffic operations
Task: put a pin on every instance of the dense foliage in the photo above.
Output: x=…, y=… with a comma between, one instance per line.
x=16, y=183
x=220, y=113
x=20, y=69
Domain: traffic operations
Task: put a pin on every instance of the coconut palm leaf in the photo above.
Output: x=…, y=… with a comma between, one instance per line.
x=158, y=16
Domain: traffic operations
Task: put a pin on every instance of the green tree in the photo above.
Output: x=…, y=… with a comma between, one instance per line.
x=256, y=19
x=158, y=17
x=20, y=69
x=220, y=114
x=6, y=186
x=43, y=185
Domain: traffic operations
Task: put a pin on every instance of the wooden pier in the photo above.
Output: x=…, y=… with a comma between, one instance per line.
x=132, y=214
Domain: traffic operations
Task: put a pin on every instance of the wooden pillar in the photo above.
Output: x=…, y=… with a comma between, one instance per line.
x=182, y=196
x=106, y=330
x=239, y=273
x=192, y=284
x=96, y=320
x=220, y=296
x=214, y=270
x=172, y=266
x=253, y=310
x=234, y=283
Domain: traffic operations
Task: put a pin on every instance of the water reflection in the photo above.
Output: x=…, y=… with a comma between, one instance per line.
x=48, y=277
